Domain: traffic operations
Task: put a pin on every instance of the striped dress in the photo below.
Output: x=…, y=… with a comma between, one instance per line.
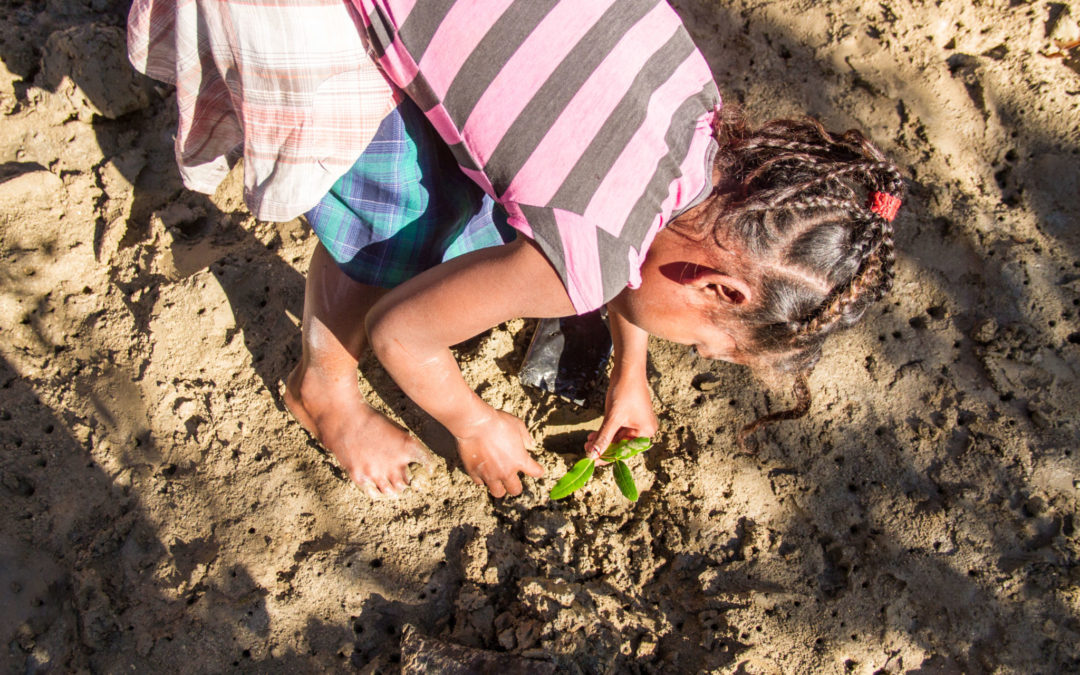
x=589, y=121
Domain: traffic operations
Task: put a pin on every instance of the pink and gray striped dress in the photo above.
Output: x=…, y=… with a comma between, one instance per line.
x=590, y=121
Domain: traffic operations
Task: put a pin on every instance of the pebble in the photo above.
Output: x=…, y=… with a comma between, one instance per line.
x=985, y=331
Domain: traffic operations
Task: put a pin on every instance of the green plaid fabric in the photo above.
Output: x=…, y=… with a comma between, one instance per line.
x=405, y=206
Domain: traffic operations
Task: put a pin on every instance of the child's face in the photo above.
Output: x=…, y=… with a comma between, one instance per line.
x=679, y=296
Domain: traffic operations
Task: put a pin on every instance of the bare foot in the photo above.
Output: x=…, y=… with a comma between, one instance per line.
x=374, y=451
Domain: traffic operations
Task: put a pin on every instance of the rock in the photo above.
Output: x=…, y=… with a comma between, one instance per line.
x=422, y=654
x=34, y=190
x=88, y=66
x=706, y=382
x=985, y=331
x=1061, y=26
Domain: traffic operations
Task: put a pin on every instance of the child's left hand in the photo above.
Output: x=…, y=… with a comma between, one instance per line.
x=496, y=450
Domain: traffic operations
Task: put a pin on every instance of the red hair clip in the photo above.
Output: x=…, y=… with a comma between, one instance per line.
x=884, y=204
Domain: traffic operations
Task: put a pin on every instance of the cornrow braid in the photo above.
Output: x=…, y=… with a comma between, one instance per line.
x=793, y=200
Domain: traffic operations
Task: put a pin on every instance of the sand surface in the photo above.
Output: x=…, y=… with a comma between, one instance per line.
x=161, y=512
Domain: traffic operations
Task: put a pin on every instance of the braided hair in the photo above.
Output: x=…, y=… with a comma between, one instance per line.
x=793, y=199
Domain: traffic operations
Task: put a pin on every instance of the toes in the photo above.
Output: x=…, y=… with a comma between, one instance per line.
x=386, y=487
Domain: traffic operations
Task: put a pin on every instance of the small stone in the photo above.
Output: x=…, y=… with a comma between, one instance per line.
x=646, y=648
x=506, y=639
x=985, y=331
x=706, y=382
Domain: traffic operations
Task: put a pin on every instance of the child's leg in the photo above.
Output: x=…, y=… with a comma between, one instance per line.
x=323, y=393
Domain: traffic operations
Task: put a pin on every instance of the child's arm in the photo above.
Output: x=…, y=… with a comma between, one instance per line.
x=628, y=411
x=412, y=328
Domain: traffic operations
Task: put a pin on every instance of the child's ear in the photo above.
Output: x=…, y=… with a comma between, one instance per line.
x=726, y=287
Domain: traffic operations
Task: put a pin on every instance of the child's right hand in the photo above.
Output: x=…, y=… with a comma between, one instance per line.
x=495, y=450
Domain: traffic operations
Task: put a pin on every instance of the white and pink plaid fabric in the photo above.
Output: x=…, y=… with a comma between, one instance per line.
x=278, y=80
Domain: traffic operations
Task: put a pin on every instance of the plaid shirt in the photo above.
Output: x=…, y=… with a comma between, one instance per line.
x=281, y=81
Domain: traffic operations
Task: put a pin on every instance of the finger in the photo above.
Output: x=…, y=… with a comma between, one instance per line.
x=497, y=489
x=512, y=485
x=603, y=438
x=533, y=468
x=527, y=439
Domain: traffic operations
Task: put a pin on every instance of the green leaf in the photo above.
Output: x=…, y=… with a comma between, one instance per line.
x=625, y=481
x=626, y=448
x=636, y=446
x=574, y=479
x=613, y=451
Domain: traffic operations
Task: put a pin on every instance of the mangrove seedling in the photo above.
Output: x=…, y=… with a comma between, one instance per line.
x=617, y=453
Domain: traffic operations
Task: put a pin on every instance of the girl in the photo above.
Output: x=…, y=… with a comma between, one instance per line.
x=594, y=131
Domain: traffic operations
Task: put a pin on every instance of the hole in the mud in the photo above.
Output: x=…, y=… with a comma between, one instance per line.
x=246, y=653
x=917, y=322
x=446, y=502
x=1006, y=397
x=897, y=334
x=423, y=596
x=1074, y=338
x=376, y=563
x=49, y=428
x=251, y=530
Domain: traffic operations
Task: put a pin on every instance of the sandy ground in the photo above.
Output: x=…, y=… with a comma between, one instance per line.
x=161, y=512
